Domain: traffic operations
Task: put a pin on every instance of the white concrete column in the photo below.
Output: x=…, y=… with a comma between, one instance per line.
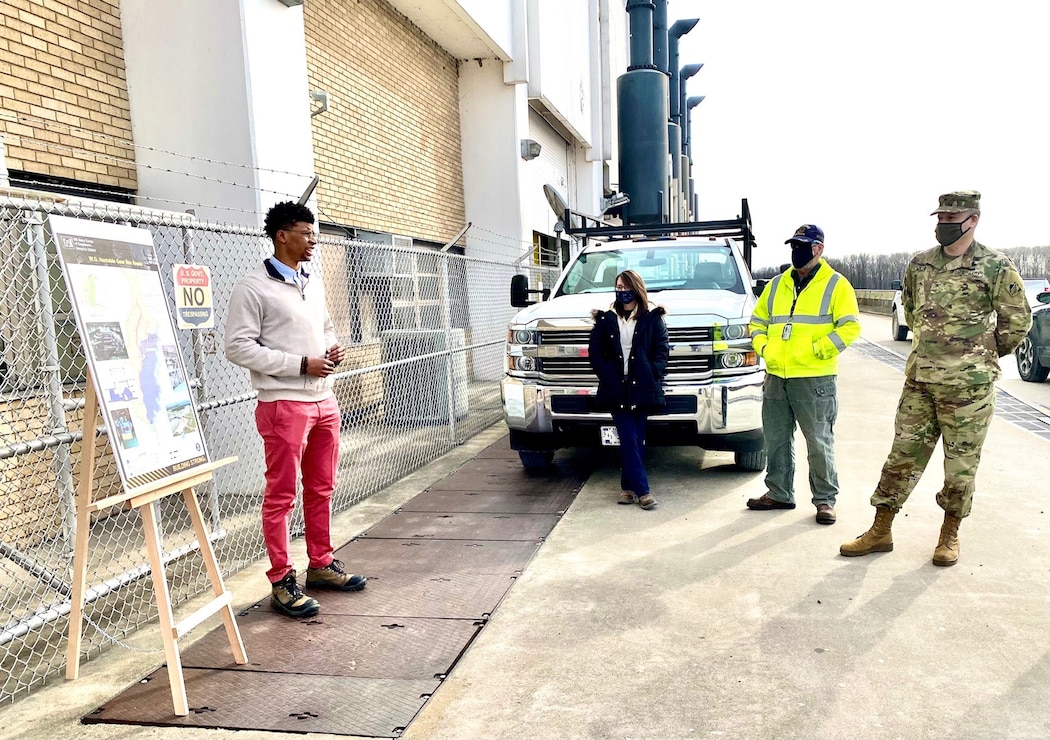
x=493, y=120
x=219, y=97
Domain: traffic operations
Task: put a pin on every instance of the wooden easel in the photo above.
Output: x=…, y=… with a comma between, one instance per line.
x=142, y=498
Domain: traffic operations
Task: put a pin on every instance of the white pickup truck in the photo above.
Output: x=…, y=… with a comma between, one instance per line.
x=713, y=386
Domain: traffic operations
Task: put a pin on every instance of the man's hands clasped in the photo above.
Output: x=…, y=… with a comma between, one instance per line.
x=322, y=367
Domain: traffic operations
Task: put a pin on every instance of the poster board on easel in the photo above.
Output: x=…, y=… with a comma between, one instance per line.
x=137, y=380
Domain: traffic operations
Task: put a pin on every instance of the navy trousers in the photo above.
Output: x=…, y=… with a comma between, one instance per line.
x=630, y=425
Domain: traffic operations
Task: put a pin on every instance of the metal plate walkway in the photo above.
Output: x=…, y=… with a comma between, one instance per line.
x=437, y=567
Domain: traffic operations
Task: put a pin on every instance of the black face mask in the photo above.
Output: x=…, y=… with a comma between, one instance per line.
x=801, y=255
x=948, y=234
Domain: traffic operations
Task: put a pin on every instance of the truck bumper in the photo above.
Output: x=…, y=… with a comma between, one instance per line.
x=719, y=416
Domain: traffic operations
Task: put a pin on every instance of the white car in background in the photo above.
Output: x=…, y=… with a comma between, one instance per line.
x=1033, y=287
x=899, y=326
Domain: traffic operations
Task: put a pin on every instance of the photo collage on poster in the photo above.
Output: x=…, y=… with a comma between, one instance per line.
x=122, y=313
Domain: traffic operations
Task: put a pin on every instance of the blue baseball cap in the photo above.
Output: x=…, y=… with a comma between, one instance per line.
x=809, y=234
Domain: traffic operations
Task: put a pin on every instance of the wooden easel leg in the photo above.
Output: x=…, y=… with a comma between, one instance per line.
x=215, y=576
x=167, y=618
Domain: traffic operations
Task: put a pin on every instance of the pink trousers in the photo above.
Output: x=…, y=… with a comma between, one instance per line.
x=298, y=435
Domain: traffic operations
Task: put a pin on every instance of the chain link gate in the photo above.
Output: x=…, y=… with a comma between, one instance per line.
x=424, y=333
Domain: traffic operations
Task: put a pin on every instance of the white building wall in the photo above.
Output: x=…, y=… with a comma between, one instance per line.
x=553, y=167
x=561, y=52
x=493, y=121
x=495, y=19
x=560, y=67
x=222, y=81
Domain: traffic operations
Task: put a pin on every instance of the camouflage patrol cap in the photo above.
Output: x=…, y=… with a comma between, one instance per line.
x=959, y=201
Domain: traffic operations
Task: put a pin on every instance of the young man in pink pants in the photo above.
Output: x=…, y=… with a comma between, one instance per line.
x=278, y=327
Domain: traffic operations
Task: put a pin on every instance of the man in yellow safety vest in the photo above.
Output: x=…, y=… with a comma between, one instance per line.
x=804, y=319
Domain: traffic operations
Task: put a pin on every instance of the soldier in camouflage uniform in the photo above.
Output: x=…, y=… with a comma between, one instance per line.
x=967, y=308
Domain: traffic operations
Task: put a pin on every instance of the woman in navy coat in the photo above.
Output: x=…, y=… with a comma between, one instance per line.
x=628, y=352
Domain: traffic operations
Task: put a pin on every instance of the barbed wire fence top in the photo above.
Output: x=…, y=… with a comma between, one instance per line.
x=424, y=333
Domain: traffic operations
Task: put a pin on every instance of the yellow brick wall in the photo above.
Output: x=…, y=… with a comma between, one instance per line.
x=63, y=95
x=388, y=149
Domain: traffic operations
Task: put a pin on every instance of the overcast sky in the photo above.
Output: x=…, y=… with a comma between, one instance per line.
x=855, y=116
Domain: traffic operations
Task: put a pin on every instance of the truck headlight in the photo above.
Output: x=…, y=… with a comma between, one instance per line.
x=733, y=360
x=734, y=331
x=521, y=336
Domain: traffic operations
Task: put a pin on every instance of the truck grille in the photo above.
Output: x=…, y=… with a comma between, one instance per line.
x=565, y=336
x=692, y=335
x=587, y=405
x=580, y=366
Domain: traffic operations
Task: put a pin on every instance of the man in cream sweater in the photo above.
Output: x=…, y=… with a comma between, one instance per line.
x=278, y=327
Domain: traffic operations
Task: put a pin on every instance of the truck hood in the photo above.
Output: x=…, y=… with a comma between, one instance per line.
x=677, y=303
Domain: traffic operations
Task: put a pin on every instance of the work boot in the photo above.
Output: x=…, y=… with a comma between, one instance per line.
x=626, y=497
x=287, y=598
x=947, y=552
x=646, y=501
x=825, y=514
x=333, y=576
x=877, y=539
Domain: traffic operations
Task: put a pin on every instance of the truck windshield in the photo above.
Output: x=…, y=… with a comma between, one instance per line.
x=662, y=267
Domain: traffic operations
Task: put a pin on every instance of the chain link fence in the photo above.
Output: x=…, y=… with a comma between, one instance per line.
x=424, y=333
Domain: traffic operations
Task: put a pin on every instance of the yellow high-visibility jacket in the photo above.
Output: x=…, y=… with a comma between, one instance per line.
x=824, y=320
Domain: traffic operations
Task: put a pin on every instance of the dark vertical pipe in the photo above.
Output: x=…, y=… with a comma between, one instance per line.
x=642, y=112
x=642, y=117
x=641, y=18
x=686, y=72
x=691, y=190
x=677, y=31
x=660, y=36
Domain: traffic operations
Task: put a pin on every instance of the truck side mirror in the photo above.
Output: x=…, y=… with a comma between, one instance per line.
x=519, y=288
x=760, y=285
x=895, y=285
x=520, y=292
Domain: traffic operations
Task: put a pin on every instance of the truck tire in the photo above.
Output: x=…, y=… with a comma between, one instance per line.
x=900, y=333
x=536, y=459
x=754, y=461
x=1028, y=365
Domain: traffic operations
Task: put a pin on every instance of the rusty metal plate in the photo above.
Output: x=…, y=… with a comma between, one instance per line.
x=439, y=595
x=379, y=557
x=275, y=702
x=499, y=448
x=337, y=645
x=507, y=475
x=496, y=502
x=460, y=526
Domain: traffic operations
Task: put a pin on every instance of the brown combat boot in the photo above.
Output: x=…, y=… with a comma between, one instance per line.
x=947, y=552
x=877, y=539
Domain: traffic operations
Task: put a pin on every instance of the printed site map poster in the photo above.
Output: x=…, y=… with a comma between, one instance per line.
x=122, y=313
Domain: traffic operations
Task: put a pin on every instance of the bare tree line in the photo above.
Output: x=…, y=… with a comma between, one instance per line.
x=878, y=271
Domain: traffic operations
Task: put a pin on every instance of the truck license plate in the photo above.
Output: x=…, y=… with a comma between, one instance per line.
x=610, y=438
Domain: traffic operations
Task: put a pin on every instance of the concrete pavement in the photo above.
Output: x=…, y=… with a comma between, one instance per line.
x=703, y=619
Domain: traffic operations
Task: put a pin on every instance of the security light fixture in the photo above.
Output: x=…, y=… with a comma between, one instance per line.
x=291, y=3
x=530, y=149
x=319, y=96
